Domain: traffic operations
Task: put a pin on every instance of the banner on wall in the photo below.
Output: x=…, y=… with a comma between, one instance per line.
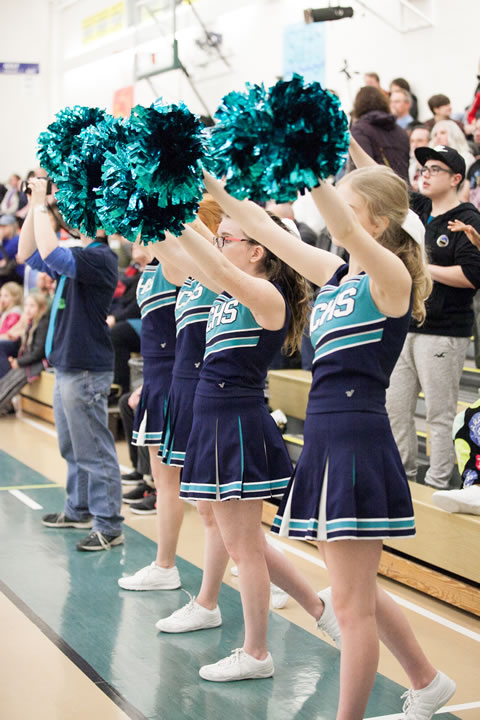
x=106, y=22
x=304, y=51
x=123, y=101
x=14, y=68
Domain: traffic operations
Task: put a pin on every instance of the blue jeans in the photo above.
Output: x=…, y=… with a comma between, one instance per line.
x=93, y=477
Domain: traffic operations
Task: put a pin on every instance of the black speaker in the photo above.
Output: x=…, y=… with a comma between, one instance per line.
x=330, y=13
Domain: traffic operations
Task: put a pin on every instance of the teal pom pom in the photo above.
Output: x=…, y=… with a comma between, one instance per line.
x=272, y=144
x=167, y=152
x=60, y=139
x=126, y=208
x=80, y=184
x=154, y=183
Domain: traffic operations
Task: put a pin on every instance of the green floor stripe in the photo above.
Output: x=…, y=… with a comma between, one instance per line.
x=76, y=594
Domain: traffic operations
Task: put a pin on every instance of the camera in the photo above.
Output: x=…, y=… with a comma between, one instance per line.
x=27, y=191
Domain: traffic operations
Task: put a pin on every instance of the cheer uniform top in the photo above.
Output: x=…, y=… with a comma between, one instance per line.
x=191, y=314
x=349, y=481
x=235, y=449
x=156, y=299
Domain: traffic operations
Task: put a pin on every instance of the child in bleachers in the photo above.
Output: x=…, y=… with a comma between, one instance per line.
x=30, y=361
x=10, y=331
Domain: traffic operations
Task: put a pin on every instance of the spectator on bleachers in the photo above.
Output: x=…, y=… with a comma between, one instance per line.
x=30, y=361
x=12, y=325
x=285, y=211
x=466, y=437
x=400, y=105
x=13, y=199
x=10, y=268
x=125, y=326
x=124, y=305
x=402, y=84
x=46, y=285
x=419, y=137
x=376, y=131
x=372, y=79
x=11, y=295
x=141, y=474
x=447, y=132
x=433, y=355
x=441, y=109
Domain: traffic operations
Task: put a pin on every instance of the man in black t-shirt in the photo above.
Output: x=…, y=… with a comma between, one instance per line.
x=433, y=355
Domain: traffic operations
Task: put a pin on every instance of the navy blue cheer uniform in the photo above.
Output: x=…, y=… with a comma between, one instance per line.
x=349, y=481
x=235, y=450
x=156, y=299
x=191, y=314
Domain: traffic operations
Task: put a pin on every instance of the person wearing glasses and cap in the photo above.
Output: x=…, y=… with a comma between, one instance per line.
x=434, y=352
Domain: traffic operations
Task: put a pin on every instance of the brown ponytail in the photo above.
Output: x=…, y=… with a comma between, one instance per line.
x=297, y=292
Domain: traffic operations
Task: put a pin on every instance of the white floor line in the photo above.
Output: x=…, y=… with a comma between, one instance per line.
x=25, y=499
x=53, y=433
x=447, y=708
x=404, y=603
x=316, y=561
x=37, y=426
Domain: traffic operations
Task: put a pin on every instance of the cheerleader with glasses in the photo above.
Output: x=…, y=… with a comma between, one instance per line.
x=349, y=490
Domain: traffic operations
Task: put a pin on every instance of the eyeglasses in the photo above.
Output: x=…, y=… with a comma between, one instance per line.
x=434, y=170
x=220, y=241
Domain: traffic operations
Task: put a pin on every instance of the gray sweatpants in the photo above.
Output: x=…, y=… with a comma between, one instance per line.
x=434, y=364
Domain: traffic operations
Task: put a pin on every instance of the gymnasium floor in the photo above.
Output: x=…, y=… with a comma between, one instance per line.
x=75, y=646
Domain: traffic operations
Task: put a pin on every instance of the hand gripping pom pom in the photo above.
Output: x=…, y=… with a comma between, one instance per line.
x=80, y=184
x=128, y=209
x=61, y=137
x=272, y=144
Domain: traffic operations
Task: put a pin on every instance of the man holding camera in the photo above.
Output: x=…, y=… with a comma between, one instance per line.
x=79, y=348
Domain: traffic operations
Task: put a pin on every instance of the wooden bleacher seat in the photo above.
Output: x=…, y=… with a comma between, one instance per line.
x=443, y=559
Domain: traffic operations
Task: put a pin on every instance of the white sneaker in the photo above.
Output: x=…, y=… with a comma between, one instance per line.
x=238, y=666
x=422, y=704
x=191, y=616
x=278, y=597
x=152, y=577
x=328, y=622
x=465, y=500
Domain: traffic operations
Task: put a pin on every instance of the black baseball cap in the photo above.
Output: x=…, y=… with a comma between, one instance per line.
x=444, y=154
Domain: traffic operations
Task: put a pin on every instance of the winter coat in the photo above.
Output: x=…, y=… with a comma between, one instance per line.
x=379, y=135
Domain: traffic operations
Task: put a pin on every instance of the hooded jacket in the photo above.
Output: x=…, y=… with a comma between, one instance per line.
x=449, y=309
x=379, y=135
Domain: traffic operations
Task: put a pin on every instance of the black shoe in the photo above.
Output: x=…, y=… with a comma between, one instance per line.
x=98, y=541
x=147, y=506
x=138, y=493
x=60, y=520
x=131, y=478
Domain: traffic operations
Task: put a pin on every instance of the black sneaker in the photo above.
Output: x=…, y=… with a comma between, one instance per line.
x=131, y=478
x=60, y=520
x=138, y=493
x=98, y=541
x=147, y=506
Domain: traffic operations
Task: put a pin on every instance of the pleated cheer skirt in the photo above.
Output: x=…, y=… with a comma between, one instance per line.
x=150, y=412
x=235, y=451
x=349, y=482
x=178, y=421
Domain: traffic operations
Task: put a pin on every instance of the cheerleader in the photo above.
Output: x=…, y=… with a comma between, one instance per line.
x=166, y=431
x=349, y=490
x=156, y=298
x=235, y=455
x=202, y=612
